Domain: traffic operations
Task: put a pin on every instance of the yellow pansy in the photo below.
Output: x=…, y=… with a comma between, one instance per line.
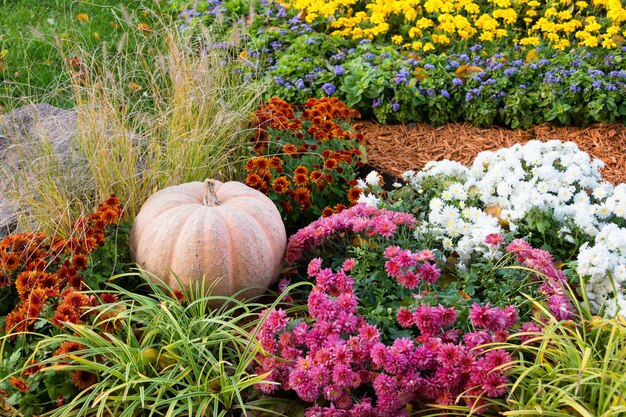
x=397, y=39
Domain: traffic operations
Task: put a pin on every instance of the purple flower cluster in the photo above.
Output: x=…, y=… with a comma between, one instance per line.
x=337, y=360
x=357, y=219
x=553, y=280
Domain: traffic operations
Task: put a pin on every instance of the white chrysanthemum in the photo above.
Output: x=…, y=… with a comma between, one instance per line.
x=372, y=178
x=369, y=199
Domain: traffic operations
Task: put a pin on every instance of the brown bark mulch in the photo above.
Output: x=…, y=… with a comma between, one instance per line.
x=395, y=149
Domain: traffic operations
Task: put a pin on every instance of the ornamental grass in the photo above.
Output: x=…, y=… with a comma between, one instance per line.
x=172, y=109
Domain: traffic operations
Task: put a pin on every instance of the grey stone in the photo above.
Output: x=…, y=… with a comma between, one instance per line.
x=23, y=133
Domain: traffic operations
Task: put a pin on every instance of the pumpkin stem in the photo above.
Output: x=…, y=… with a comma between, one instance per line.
x=210, y=199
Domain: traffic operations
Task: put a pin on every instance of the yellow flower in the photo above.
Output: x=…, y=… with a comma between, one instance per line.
x=531, y=13
x=581, y=4
x=415, y=33
x=502, y=3
x=564, y=15
x=472, y=8
x=608, y=43
x=397, y=39
x=562, y=44
x=416, y=45
x=613, y=30
x=428, y=47
x=591, y=42
x=509, y=16
x=532, y=40
x=550, y=12
x=534, y=3
x=442, y=39
x=424, y=23
x=486, y=36
x=552, y=36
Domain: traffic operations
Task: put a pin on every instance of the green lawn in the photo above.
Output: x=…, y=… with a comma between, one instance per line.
x=34, y=32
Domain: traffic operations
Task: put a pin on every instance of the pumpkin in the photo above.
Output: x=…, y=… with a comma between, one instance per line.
x=227, y=234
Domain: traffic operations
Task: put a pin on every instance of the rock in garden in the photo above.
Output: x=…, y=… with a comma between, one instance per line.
x=23, y=134
x=37, y=138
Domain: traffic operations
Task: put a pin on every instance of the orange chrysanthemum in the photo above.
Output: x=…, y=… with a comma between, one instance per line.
x=280, y=184
x=328, y=211
x=262, y=164
x=19, y=384
x=289, y=149
x=276, y=163
x=10, y=261
x=254, y=181
x=300, y=180
x=79, y=261
x=26, y=281
x=339, y=208
x=68, y=347
x=301, y=170
x=108, y=298
x=83, y=379
x=353, y=194
x=302, y=196
x=15, y=321
x=330, y=163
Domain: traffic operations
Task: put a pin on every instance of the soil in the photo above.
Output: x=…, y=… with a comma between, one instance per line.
x=395, y=149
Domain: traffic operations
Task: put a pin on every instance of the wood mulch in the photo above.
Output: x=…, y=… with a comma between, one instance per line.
x=395, y=149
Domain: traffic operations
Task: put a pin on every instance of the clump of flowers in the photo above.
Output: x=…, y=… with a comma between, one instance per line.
x=338, y=361
x=44, y=278
x=603, y=264
x=306, y=160
x=551, y=194
x=40, y=268
x=357, y=219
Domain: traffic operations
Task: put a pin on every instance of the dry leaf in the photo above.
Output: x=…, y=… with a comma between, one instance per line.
x=134, y=86
x=144, y=27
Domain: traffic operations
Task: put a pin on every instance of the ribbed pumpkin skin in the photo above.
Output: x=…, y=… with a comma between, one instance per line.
x=242, y=240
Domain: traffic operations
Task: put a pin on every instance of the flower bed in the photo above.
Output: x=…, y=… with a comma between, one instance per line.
x=514, y=64
x=454, y=290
